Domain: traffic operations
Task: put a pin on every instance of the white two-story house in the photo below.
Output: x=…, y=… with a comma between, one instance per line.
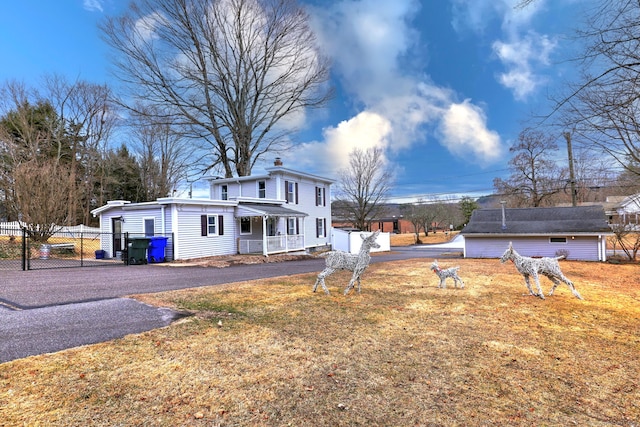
x=282, y=210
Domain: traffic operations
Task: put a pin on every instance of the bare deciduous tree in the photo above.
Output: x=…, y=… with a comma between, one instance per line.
x=535, y=176
x=412, y=212
x=603, y=106
x=87, y=118
x=238, y=74
x=41, y=196
x=626, y=236
x=162, y=154
x=364, y=187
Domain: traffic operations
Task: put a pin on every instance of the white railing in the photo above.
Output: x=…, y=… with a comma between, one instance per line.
x=275, y=244
x=7, y=228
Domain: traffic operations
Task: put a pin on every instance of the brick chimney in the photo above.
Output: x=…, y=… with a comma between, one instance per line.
x=277, y=162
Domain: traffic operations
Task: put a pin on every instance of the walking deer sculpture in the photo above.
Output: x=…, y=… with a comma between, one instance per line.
x=340, y=260
x=533, y=267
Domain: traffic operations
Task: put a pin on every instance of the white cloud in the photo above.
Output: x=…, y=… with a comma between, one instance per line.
x=368, y=41
x=520, y=58
x=92, y=5
x=464, y=132
x=145, y=27
x=523, y=53
x=365, y=130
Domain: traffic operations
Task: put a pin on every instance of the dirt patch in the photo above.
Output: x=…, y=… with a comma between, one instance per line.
x=229, y=260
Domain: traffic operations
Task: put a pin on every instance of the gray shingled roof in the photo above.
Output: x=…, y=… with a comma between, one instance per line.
x=580, y=219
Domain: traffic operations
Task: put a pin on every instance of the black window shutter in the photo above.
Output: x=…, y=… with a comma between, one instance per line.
x=286, y=191
x=203, y=225
x=220, y=225
x=296, y=193
x=324, y=226
x=324, y=197
x=317, y=188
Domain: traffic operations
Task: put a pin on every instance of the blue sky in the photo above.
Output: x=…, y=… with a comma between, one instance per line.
x=442, y=86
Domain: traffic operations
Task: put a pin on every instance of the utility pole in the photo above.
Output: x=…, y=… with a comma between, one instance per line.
x=572, y=177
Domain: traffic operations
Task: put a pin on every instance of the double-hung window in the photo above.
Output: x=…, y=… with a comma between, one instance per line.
x=320, y=196
x=291, y=191
x=211, y=225
x=321, y=227
x=224, y=192
x=262, y=189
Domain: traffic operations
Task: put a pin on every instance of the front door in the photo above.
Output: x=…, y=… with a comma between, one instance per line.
x=118, y=238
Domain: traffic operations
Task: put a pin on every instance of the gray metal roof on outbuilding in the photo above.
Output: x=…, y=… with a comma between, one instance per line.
x=536, y=221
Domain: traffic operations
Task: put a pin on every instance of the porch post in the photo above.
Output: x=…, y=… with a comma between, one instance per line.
x=286, y=234
x=264, y=235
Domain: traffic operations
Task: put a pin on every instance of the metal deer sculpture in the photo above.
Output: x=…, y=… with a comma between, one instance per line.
x=534, y=267
x=340, y=260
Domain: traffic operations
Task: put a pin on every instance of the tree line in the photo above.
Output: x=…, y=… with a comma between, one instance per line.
x=207, y=86
x=57, y=162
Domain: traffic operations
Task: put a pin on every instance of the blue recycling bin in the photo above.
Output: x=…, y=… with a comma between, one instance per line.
x=155, y=252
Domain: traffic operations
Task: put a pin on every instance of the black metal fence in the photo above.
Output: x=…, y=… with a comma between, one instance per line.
x=66, y=249
x=12, y=248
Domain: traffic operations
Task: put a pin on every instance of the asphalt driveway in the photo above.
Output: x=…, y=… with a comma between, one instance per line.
x=43, y=311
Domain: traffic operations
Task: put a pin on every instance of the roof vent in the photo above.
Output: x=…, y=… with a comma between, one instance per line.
x=504, y=218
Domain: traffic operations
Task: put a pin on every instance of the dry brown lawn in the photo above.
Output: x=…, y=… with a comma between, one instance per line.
x=402, y=353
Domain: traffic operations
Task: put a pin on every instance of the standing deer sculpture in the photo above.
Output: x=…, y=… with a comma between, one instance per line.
x=451, y=272
x=340, y=260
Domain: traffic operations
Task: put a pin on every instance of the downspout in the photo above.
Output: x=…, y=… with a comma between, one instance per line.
x=163, y=219
x=176, y=231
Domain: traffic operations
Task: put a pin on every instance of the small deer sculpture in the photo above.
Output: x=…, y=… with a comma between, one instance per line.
x=451, y=272
x=340, y=260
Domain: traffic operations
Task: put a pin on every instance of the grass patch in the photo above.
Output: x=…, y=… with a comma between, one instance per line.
x=402, y=353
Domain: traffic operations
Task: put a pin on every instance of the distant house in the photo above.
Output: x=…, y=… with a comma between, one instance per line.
x=623, y=210
x=282, y=210
x=578, y=232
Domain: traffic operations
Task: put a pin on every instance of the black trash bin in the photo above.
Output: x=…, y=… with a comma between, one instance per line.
x=137, y=250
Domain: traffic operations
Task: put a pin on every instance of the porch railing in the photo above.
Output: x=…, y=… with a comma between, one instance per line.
x=275, y=244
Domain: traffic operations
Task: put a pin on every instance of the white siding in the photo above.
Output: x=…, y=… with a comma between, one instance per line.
x=247, y=188
x=307, y=204
x=584, y=248
x=188, y=237
x=272, y=189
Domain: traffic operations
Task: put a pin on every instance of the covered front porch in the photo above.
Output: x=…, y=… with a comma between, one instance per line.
x=269, y=229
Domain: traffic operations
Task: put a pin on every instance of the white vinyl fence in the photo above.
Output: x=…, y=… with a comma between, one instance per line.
x=8, y=228
x=351, y=241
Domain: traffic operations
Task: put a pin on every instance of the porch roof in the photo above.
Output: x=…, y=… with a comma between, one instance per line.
x=246, y=209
